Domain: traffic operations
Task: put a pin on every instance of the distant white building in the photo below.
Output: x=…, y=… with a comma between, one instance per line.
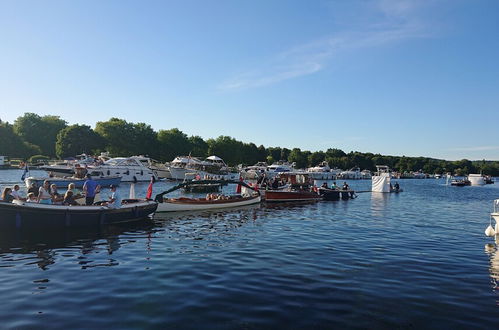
x=3, y=159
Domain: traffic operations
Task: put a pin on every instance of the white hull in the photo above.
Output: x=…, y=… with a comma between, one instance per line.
x=127, y=173
x=476, y=180
x=322, y=175
x=172, y=205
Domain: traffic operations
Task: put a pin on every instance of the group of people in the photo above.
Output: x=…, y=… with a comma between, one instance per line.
x=48, y=194
x=336, y=187
x=215, y=197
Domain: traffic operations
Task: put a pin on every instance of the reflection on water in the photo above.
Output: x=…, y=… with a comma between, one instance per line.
x=493, y=253
x=380, y=261
x=42, y=248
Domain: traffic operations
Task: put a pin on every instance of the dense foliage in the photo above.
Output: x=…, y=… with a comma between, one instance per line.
x=32, y=134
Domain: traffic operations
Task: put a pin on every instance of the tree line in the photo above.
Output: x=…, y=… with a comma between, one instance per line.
x=32, y=135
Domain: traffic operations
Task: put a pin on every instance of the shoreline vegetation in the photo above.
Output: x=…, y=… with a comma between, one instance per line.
x=32, y=138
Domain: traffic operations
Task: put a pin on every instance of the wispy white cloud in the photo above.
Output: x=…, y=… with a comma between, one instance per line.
x=399, y=22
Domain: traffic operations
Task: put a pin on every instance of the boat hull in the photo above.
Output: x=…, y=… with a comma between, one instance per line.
x=335, y=195
x=63, y=182
x=33, y=215
x=291, y=196
x=189, y=204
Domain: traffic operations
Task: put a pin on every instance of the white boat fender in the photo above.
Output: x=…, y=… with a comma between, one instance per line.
x=490, y=230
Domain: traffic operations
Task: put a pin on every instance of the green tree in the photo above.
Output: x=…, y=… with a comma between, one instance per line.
x=315, y=158
x=40, y=131
x=199, y=147
x=12, y=145
x=298, y=157
x=173, y=143
x=78, y=139
x=227, y=148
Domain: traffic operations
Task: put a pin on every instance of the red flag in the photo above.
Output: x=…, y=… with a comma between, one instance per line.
x=149, y=189
x=238, y=188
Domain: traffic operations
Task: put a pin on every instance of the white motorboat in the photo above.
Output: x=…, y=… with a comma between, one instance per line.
x=67, y=167
x=213, y=167
x=273, y=170
x=366, y=174
x=476, y=179
x=254, y=172
x=321, y=172
x=351, y=174
x=135, y=168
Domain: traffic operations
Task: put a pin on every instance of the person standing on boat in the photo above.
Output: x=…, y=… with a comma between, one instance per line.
x=44, y=196
x=90, y=188
x=345, y=186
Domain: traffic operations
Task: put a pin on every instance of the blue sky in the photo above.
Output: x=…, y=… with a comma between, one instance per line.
x=406, y=77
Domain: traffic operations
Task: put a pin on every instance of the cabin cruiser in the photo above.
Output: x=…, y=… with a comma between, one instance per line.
x=321, y=172
x=352, y=174
x=366, y=174
x=131, y=169
x=254, y=172
x=187, y=167
x=67, y=167
x=273, y=170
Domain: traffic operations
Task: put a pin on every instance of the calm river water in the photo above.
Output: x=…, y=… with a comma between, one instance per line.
x=418, y=259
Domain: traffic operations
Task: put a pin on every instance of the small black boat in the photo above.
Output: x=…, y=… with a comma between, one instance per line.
x=335, y=195
x=460, y=183
x=33, y=215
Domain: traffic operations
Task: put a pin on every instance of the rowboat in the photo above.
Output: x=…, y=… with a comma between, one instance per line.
x=248, y=196
x=104, y=181
x=33, y=215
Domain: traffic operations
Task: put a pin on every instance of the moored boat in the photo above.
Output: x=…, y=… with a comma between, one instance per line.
x=247, y=197
x=33, y=215
x=476, y=179
x=298, y=191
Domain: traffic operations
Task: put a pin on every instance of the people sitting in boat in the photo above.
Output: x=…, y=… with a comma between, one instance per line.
x=334, y=186
x=69, y=198
x=44, y=196
x=345, y=186
x=31, y=198
x=275, y=184
x=33, y=189
x=7, y=196
x=76, y=192
x=16, y=194
x=324, y=185
x=57, y=198
x=115, y=199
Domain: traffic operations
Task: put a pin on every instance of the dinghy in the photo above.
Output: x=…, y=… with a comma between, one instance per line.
x=248, y=196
